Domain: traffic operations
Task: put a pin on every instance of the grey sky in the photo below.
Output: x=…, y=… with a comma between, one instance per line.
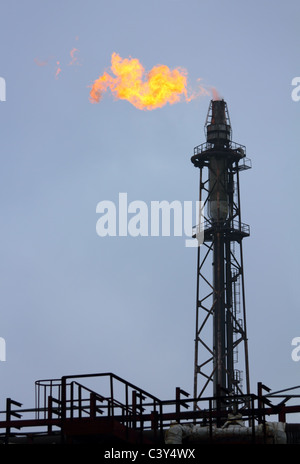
x=72, y=302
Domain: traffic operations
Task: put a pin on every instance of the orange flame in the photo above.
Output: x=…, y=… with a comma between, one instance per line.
x=159, y=87
x=58, y=69
x=73, y=57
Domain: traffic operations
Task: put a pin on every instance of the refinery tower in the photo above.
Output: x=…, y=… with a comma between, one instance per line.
x=105, y=409
x=221, y=333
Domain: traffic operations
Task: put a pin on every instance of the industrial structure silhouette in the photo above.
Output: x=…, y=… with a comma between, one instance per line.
x=105, y=409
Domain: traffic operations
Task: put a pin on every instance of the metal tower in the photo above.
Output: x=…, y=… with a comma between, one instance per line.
x=220, y=308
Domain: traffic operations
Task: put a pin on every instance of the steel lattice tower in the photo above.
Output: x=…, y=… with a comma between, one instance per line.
x=220, y=308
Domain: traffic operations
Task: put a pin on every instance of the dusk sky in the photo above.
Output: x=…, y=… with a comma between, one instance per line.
x=72, y=302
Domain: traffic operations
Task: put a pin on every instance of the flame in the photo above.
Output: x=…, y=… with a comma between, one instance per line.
x=73, y=57
x=58, y=69
x=143, y=90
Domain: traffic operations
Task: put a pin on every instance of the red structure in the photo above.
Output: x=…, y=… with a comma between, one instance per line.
x=71, y=411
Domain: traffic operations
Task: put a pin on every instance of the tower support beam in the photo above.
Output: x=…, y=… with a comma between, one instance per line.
x=220, y=301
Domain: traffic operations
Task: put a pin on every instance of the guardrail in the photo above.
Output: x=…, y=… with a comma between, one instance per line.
x=234, y=226
x=134, y=408
x=241, y=149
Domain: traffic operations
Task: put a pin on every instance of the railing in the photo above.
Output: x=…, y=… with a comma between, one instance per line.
x=121, y=400
x=241, y=149
x=134, y=408
x=234, y=226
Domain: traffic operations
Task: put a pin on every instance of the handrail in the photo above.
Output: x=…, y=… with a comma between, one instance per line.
x=141, y=410
x=234, y=225
x=208, y=146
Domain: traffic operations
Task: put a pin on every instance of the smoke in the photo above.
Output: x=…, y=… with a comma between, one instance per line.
x=40, y=63
x=215, y=94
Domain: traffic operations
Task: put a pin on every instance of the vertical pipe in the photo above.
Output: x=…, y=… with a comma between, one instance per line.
x=229, y=322
x=79, y=402
x=63, y=407
x=134, y=418
x=93, y=405
x=229, y=283
x=112, y=394
x=197, y=308
x=177, y=407
x=218, y=212
x=49, y=411
x=8, y=411
x=45, y=397
x=243, y=290
x=126, y=406
x=72, y=399
x=219, y=313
